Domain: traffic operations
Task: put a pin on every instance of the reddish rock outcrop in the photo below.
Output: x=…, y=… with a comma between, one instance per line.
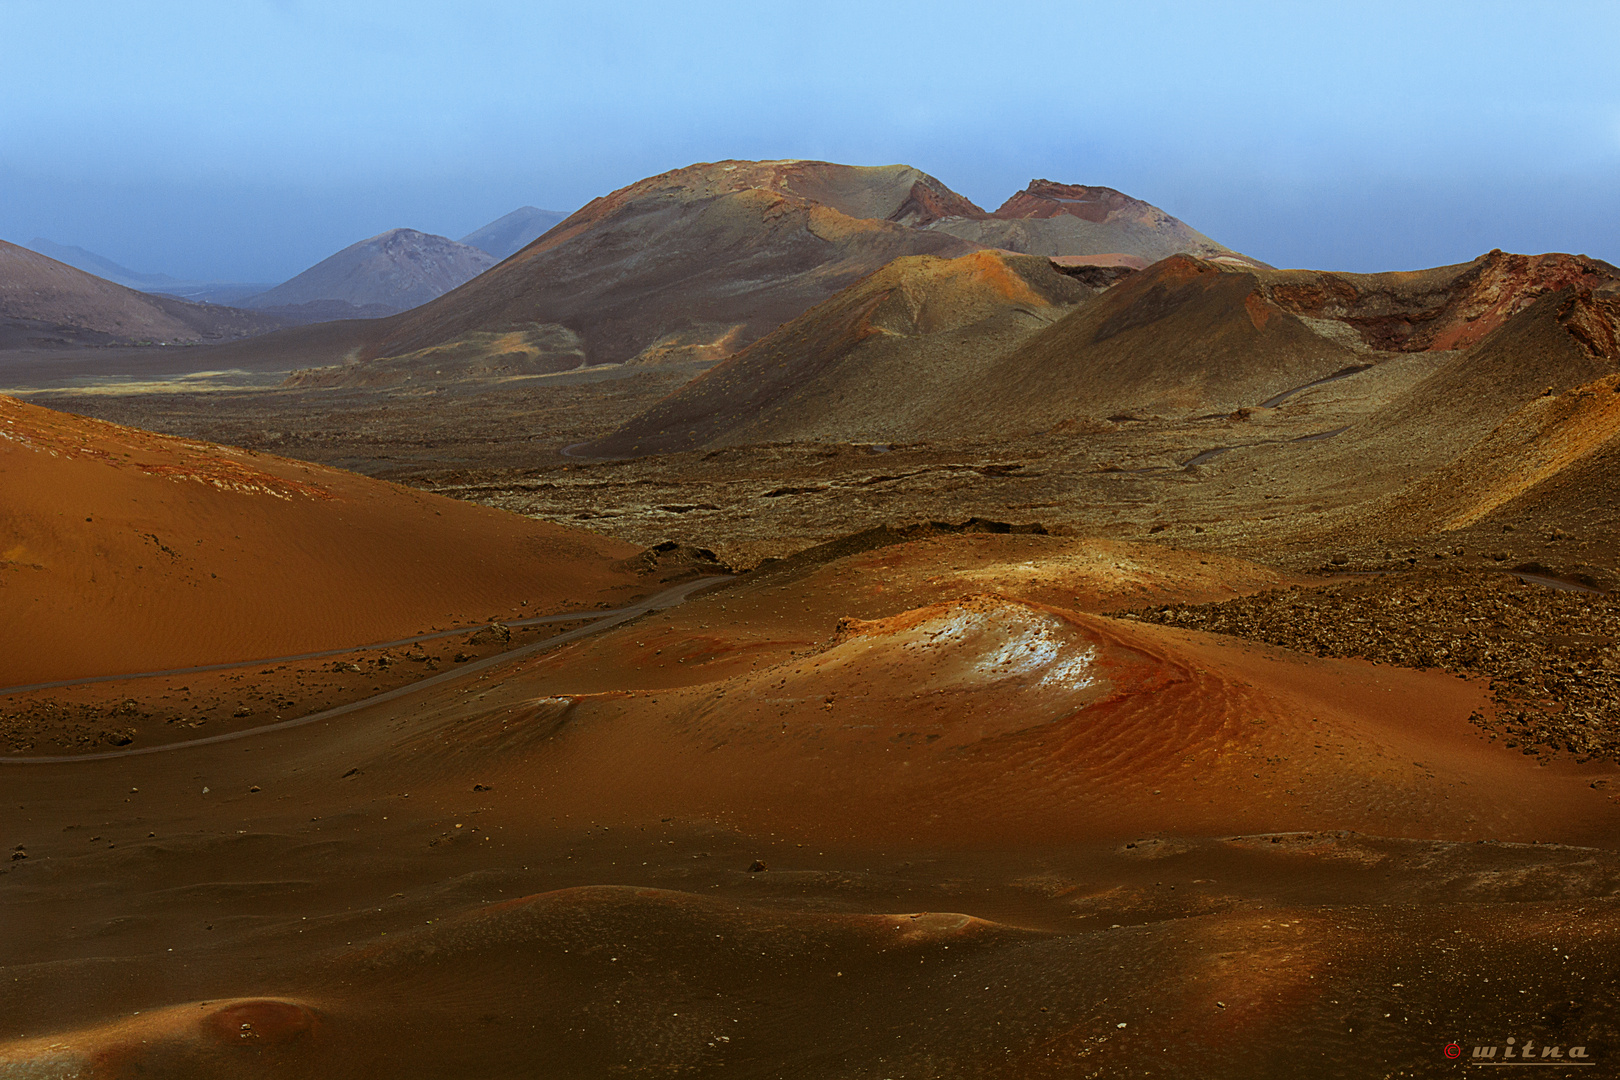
x=1449, y=307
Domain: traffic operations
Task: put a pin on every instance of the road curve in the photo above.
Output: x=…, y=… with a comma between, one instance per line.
x=667, y=598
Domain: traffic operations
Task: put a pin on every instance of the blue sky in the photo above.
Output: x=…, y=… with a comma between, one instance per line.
x=247, y=140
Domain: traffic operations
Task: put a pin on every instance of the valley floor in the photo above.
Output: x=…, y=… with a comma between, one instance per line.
x=1174, y=763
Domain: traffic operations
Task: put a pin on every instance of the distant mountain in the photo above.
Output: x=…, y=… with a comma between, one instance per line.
x=698, y=263
x=708, y=258
x=102, y=267
x=514, y=232
x=230, y=293
x=391, y=272
x=45, y=303
x=1049, y=218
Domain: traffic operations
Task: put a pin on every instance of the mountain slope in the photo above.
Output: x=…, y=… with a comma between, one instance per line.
x=509, y=234
x=711, y=253
x=1182, y=335
x=392, y=271
x=102, y=267
x=694, y=265
x=1443, y=308
x=1049, y=218
x=44, y=303
x=873, y=362
x=123, y=551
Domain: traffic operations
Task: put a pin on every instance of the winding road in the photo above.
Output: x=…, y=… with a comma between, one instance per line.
x=602, y=620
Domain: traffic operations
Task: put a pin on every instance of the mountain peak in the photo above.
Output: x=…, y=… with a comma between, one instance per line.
x=1048, y=199
x=397, y=269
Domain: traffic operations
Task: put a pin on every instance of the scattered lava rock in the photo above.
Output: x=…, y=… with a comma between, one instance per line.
x=1550, y=654
x=493, y=634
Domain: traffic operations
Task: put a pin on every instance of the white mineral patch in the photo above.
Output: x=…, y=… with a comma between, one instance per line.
x=990, y=645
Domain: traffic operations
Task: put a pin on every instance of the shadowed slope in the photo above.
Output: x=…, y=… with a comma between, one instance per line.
x=1182, y=335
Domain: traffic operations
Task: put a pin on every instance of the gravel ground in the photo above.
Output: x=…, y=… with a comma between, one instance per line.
x=1550, y=654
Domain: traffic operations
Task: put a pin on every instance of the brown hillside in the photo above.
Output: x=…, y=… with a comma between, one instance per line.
x=1049, y=218
x=1181, y=336
x=737, y=248
x=46, y=303
x=1447, y=307
x=1552, y=461
x=872, y=362
x=1560, y=341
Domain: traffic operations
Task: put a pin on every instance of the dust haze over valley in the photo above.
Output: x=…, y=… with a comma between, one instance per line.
x=787, y=619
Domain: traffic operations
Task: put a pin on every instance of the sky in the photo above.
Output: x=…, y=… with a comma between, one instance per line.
x=245, y=141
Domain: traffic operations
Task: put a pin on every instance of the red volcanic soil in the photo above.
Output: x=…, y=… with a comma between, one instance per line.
x=720, y=841
x=989, y=720
x=123, y=551
x=1046, y=199
x=1448, y=307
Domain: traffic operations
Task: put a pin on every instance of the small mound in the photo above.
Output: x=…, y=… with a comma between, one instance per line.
x=238, y=1037
x=987, y=719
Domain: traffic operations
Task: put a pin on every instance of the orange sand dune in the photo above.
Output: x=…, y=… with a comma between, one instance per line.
x=123, y=551
x=996, y=721
x=990, y=719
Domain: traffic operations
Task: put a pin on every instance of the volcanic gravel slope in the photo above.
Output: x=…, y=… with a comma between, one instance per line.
x=1183, y=335
x=1549, y=653
x=876, y=361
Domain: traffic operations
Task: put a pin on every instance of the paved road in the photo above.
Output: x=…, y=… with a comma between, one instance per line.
x=603, y=620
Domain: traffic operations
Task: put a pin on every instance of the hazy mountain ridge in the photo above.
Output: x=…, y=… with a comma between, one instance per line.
x=398, y=270
x=44, y=302
x=511, y=233
x=700, y=262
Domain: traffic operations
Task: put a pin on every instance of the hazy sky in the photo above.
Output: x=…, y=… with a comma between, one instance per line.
x=245, y=140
